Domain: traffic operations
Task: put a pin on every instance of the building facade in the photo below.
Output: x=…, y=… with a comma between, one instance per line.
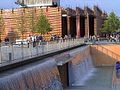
x=82, y=22
x=74, y=22
x=33, y=3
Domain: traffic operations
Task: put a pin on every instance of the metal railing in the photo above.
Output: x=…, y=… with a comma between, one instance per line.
x=13, y=52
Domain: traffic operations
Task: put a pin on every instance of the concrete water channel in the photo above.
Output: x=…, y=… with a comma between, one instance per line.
x=88, y=67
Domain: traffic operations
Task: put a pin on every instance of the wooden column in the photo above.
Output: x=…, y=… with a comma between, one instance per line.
x=78, y=26
x=68, y=25
x=87, y=25
x=95, y=26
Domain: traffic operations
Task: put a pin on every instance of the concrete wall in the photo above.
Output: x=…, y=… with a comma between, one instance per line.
x=105, y=55
x=63, y=70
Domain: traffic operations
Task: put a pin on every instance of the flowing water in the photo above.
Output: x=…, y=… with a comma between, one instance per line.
x=44, y=76
x=80, y=71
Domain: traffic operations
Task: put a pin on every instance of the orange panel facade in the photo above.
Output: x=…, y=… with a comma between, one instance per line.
x=23, y=18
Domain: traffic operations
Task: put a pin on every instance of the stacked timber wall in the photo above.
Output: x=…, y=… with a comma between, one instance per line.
x=16, y=20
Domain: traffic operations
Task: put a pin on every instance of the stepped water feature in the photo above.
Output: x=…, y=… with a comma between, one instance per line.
x=81, y=67
x=84, y=68
x=43, y=76
x=80, y=72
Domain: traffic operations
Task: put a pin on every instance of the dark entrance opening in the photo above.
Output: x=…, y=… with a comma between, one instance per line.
x=91, y=25
x=63, y=70
x=12, y=35
x=73, y=26
x=82, y=26
x=64, y=26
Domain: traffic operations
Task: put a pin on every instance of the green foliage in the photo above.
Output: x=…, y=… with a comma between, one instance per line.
x=112, y=24
x=21, y=28
x=21, y=21
x=42, y=26
x=32, y=23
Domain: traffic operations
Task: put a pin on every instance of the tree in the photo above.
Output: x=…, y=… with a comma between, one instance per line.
x=22, y=23
x=2, y=26
x=42, y=26
x=32, y=21
x=111, y=24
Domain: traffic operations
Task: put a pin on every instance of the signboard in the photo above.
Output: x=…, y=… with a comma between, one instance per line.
x=31, y=3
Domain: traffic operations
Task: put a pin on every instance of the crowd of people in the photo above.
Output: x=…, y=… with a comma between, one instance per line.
x=35, y=40
x=39, y=40
x=57, y=38
x=93, y=38
x=108, y=37
x=113, y=37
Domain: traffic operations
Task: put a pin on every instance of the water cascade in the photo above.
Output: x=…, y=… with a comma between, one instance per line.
x=44, y=76
x=80, y=71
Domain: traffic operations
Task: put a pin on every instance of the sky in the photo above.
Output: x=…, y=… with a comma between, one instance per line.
x=106, y=5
